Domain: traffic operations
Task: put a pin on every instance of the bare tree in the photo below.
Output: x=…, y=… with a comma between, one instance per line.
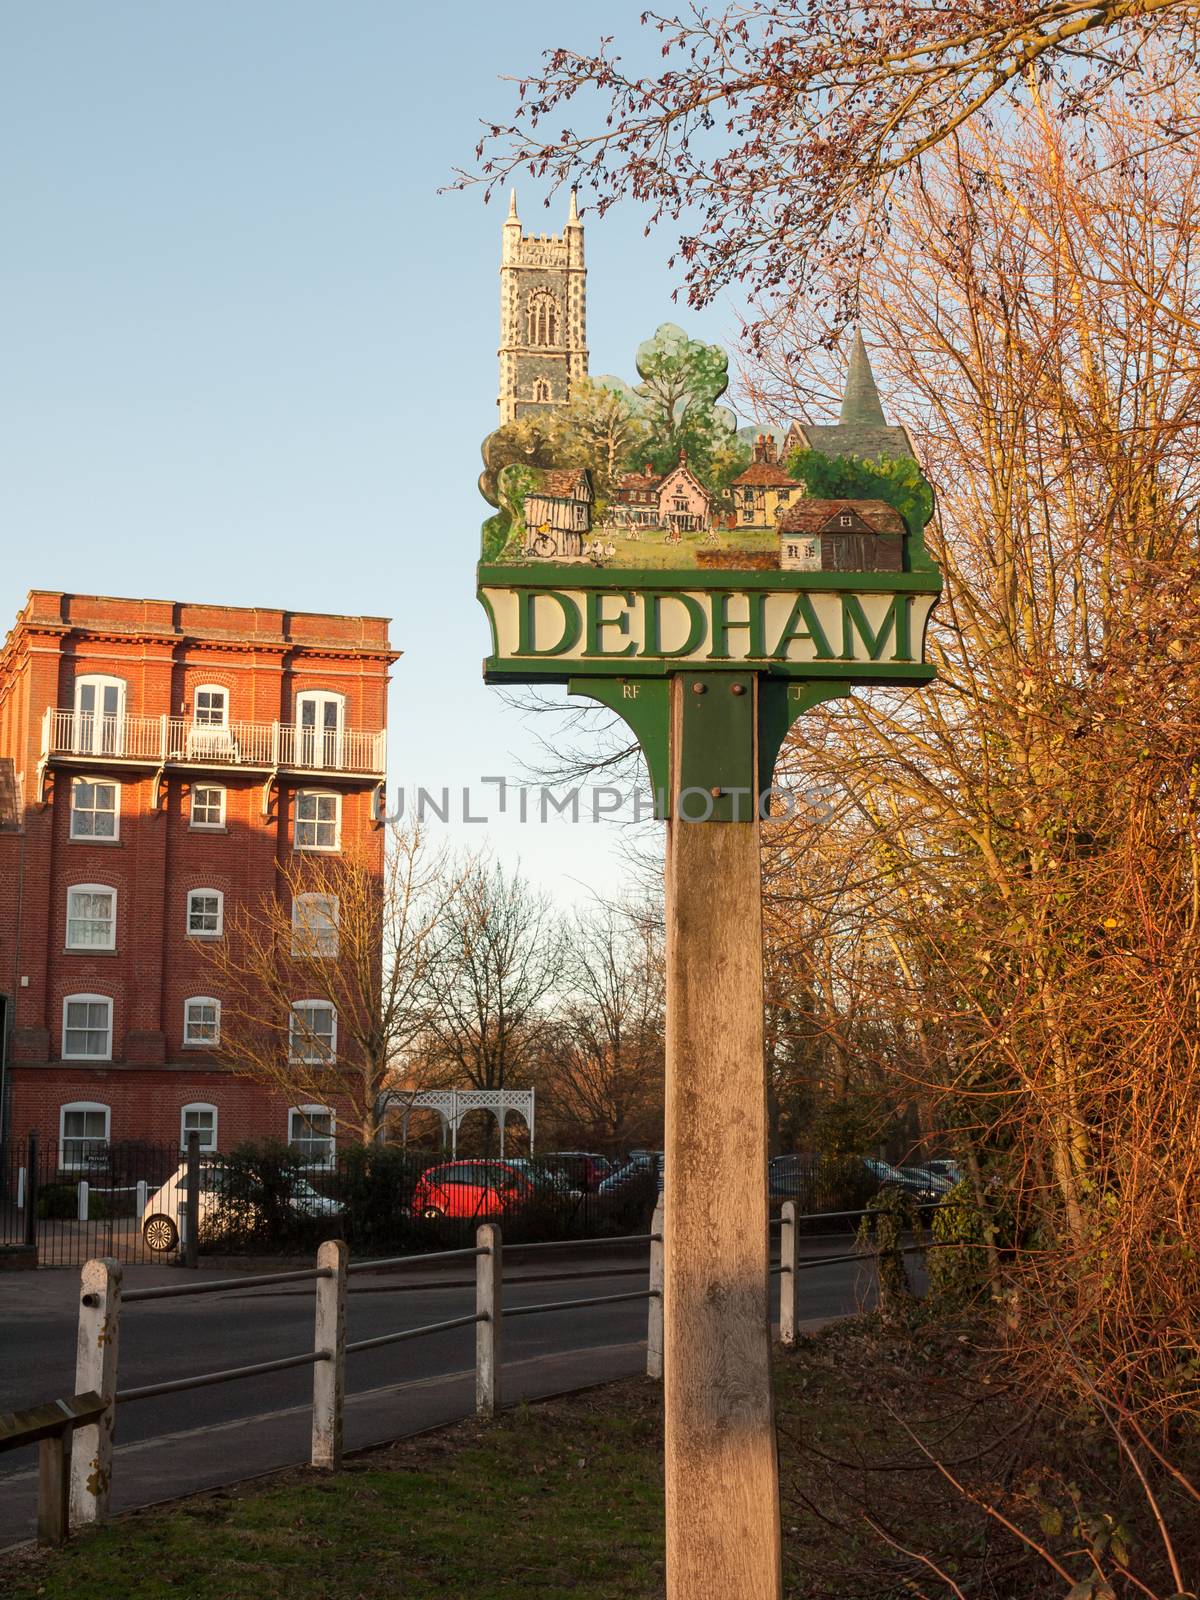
x=779, y=132
x=603, y=1066
x=323, y=985
x=495, y=962
x=1004, y=912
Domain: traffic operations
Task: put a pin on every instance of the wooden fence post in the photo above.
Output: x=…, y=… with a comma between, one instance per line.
x=96, y=1368
x=654, y=1320
x=329, y=1377
x=489, y=1275
x=789, y=1278
x=54, y=1488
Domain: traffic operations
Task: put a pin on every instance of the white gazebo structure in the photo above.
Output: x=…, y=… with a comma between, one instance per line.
x=452, y=1105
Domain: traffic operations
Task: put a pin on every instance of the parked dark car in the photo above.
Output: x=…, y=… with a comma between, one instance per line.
x=946, y=1167
x=641, y=1165
x=627, y=1196
x=919, y=1187
x=584, y=1169
x=926, y=1179
x=819, y=1183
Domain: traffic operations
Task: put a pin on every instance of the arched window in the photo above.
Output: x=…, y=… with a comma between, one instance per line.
x=312, y=1031
x=199, y=1117
x=99, y=716
x=320, y=718
x=311, y=1133
x=208, y=806
x=211, y=708
x=543, y=318
x=318, y=820
x=541, y=392
x=83, y=1131
x=91, y=917
x=315, y=925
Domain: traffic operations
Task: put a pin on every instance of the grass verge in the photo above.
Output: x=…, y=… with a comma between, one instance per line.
x=563, y=1499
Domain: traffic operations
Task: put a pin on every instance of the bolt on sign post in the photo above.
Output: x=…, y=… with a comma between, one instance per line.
x=710, y=611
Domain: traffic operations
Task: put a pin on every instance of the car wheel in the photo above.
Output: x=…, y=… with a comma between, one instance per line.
x=160, y=1233
x=432, y=1213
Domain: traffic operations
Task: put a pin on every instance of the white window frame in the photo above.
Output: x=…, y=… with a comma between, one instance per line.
x=86, y=999
x=313, y=745
x=206, y=827
x=92, y=838
x=95, y=744
x=313, y=947
x=80, y=1105
x=210, y=688
x=206, y=933
x=318, y=1111
x=312, y=1060
x=201, y=1044
x=91, y=888
x=198, y=1105
x=318, y=794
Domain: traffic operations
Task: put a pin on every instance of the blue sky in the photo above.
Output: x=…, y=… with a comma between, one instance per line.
x=249, y=350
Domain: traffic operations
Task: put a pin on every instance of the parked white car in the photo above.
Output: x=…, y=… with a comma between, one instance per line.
x=160, y=1225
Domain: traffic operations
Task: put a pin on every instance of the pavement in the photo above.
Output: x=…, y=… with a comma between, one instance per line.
x=204, y=1438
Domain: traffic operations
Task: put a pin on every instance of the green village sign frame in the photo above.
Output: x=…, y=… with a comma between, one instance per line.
x=709, y=589
x=772, y=620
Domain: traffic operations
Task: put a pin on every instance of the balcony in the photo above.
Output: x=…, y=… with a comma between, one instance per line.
x=84, y=738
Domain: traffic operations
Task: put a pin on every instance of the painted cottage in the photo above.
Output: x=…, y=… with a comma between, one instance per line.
x=558, y=513
x=676, y=500
x=764, y=489
x=841, y=536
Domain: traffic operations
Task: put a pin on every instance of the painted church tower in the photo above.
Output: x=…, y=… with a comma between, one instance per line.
x=543, y=326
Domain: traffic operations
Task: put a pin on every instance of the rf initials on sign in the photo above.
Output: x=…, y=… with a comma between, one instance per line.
x=629, y=691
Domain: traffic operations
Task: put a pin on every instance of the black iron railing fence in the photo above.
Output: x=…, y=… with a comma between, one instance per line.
x=76, y=1200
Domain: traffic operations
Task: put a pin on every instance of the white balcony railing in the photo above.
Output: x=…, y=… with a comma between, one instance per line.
x=179, y=740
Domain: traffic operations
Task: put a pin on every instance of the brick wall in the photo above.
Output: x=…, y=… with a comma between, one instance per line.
x=162, y=651
x=146, y=1105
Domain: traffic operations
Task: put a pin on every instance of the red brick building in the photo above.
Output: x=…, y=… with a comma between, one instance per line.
x=157, y=760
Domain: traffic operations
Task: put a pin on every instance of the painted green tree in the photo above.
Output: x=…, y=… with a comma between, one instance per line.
x=898, y=481
x=682, y=380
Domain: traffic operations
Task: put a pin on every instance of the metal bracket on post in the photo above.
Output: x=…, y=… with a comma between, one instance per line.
x=715, y=763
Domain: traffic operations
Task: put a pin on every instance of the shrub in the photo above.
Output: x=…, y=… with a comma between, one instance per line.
x=58, y=1202
x=890, y=1214
x=958, y=1274
x=257, y=1210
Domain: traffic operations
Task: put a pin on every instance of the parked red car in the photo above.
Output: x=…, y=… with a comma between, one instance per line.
x=471, y=1189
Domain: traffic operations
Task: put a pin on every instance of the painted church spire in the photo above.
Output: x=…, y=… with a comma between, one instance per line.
x=860, y=402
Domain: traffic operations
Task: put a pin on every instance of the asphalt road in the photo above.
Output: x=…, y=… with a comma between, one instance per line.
x=204, y=1437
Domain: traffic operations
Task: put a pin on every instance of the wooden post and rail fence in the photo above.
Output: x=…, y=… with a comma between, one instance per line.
x=75, y=1436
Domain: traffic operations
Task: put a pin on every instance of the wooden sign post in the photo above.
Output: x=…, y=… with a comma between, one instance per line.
x=722, y=1482
x=710, y=637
